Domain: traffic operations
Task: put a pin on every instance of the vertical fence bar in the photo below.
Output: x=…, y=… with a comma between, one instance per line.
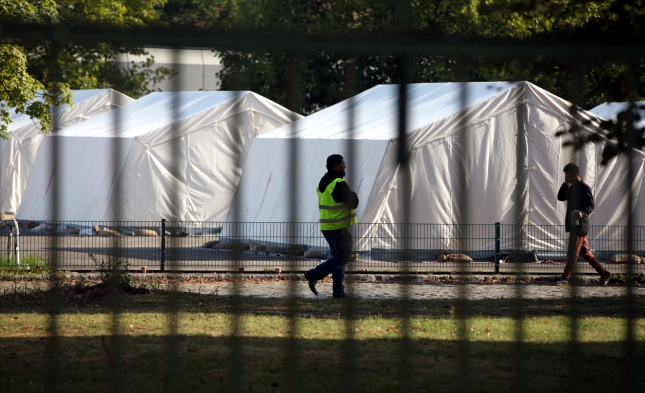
x=630, y=353
x=292, y=343
x=350, y=344
x=162, y=257
x=171, y=364
x=463, y=229
x=574, y=347
x=116, y=264
x=235, y=345
x=405, y=365
x=404, y=24
x=54, y=293
x=498, y=254
x=520, y=233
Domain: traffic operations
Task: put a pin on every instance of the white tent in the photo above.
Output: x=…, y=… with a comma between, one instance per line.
x=611, y=179
x=609, y=110
x=492, y=116
x=18, y=152
x=137, y=145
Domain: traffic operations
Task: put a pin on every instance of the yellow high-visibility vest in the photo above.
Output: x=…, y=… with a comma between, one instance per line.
x=334, y=215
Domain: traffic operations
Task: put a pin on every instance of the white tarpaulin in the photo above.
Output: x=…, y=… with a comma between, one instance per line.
x=19, y=151
x=611, y=180
x=502, y=121
x=609, y=111
x=137, y=146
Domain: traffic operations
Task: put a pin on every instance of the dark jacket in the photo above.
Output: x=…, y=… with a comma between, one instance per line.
x=578, y=197
x=341, y=192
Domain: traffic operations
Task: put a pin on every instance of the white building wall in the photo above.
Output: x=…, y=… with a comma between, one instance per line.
x=197, y=68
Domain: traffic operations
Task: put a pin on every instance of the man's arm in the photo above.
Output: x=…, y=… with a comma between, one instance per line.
x=587, y=202
x=563, y=193
x=342, y=193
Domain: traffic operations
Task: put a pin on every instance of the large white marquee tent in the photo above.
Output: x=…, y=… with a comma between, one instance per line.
x=610, y=181
x=609, y=110
x=137, y=145
x=19, y=151
x=485, y=133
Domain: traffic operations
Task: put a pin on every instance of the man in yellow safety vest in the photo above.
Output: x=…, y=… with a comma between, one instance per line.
x=336, y=205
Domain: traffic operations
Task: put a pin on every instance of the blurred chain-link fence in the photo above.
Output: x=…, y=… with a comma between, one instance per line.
x=175, y=246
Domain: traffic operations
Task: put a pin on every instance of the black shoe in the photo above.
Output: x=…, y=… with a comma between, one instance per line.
x=561, y=282
x=342, y=295
x=339, y=295
x=312, y=283
x=604, y=279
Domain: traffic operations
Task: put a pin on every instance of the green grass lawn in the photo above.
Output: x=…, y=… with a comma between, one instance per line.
x=267, y=347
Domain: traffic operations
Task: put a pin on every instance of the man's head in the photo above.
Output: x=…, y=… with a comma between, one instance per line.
x=571, y=173
x=336, y=163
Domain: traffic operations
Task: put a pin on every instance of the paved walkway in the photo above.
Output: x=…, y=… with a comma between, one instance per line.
x=415, y=290
x=375, y=290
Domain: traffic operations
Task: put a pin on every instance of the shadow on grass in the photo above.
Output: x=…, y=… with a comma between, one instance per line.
x=203, y=365
x=203, y=358
x=88, y=300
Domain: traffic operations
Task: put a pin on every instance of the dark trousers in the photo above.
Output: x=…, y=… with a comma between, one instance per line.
x=340, y=244
x=579, y=245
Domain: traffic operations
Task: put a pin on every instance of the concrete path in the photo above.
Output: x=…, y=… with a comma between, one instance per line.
x=364, y=286
x=414, y=290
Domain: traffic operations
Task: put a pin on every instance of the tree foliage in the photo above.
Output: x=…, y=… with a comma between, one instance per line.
x=114, y=12
x=619, y=135
x=26, y=66
x=94, y=66
x=327, y=78
x=323, y=77
x=198, y=13
x=20, y=92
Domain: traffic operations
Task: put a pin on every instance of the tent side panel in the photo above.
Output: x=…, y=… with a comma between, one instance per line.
x=152, y=183
x=264, y=191
x=212, y=153
x=17, y=156
x=85, y=171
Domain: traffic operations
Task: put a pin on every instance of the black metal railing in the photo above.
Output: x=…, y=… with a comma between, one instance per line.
x=213, y=246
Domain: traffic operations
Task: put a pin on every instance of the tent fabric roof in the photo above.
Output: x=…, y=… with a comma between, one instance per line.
x=609, y=111
x=138, y=145
x=153, y=111
x=87, y=104
x=19, y=120
x=18, y=153
x=375, y=110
